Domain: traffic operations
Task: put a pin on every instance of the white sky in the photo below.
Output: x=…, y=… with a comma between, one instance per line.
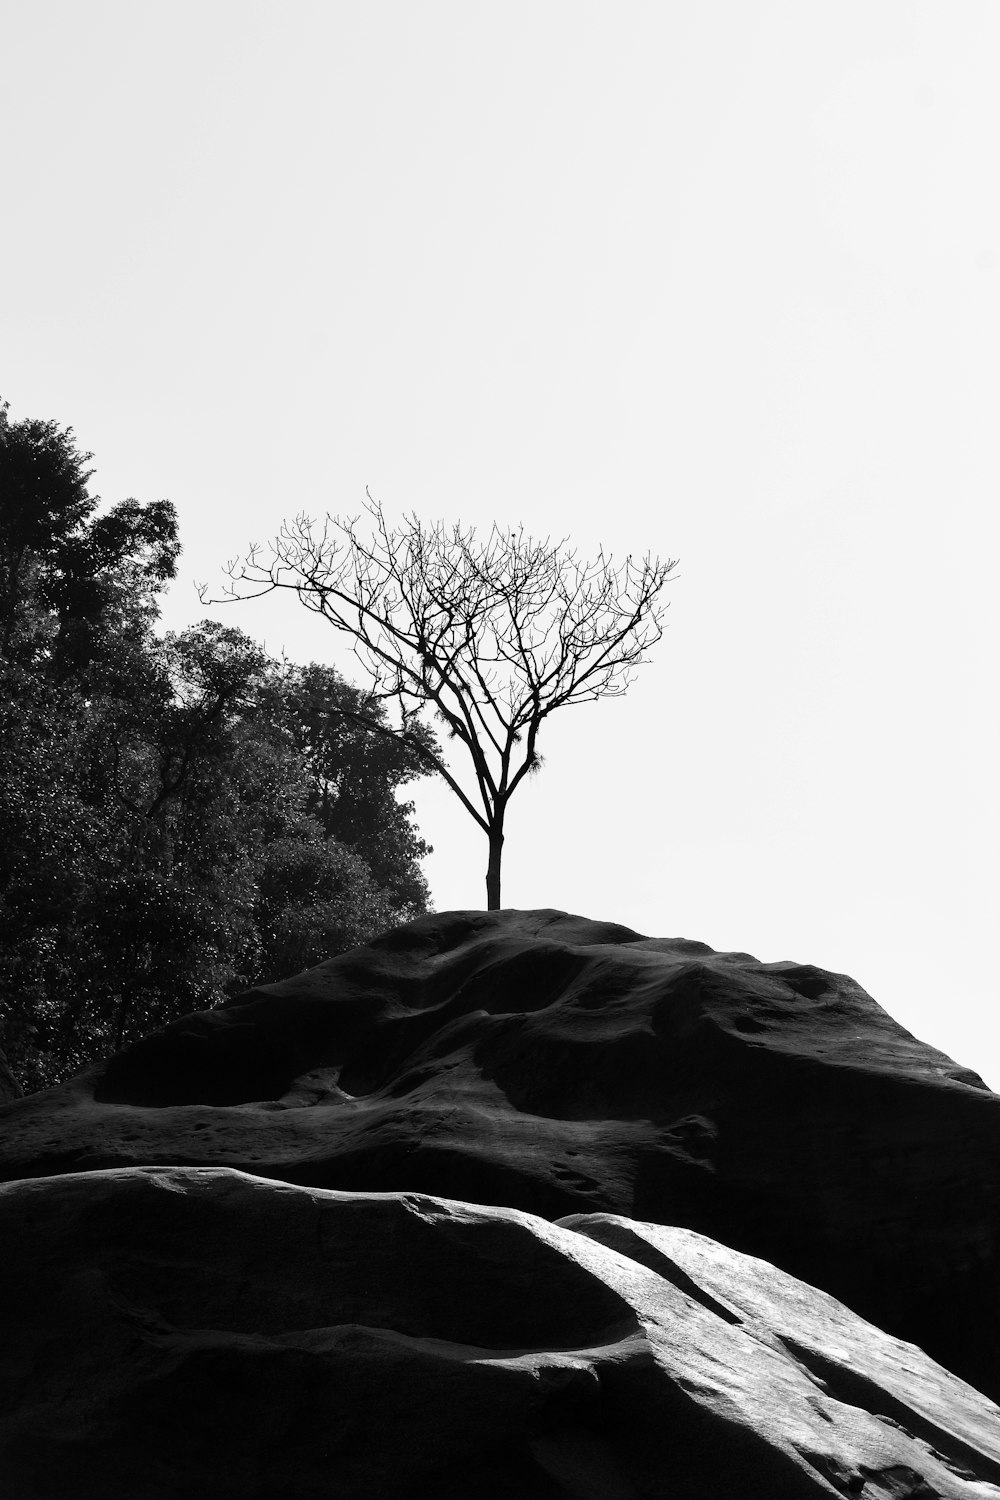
x=717, y=279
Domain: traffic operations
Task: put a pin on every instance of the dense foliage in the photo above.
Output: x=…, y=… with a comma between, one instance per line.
x=182, y=815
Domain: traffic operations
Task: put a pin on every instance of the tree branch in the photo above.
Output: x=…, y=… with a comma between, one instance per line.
x=493, y=635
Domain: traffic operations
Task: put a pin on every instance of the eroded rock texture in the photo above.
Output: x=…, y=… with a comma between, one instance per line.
x=547, y=1063
x=175, y=1331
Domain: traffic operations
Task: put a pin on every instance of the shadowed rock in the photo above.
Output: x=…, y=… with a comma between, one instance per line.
x=548, y=1063
x=177, y=1331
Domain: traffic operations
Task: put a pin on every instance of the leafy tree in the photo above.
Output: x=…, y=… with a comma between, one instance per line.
x=68, y=579
x=316, y=897
x=43, y=485
x=354, y=770
x=109, y=923
x=492, y=635
x=159, y=796
x=55, y=842
x=160, y=853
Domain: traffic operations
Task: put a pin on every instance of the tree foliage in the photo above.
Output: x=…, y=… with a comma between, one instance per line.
x=70, y=580
x=180, y=820
x=354, y=766
x=492, y=634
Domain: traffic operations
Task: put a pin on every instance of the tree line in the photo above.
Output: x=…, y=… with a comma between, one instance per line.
x=181, y=815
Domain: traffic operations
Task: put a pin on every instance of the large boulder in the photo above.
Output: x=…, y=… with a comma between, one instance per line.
x=184, y=1331
x=543, y=1062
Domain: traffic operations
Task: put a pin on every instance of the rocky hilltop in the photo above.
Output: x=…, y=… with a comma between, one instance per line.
x=729, y=1145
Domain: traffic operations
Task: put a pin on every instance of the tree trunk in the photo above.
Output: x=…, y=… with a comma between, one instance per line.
x=493, y=868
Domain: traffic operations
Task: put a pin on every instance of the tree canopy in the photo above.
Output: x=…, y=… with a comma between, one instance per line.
x=70, y=580
x=181, y=815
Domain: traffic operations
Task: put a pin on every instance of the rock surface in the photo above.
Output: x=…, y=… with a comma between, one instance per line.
x=184, y=1331
x=543, y=1062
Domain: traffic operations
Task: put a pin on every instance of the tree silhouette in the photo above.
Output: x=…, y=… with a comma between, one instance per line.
x=494, y=634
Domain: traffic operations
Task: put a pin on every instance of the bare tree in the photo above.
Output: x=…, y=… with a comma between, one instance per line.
x=493, y=634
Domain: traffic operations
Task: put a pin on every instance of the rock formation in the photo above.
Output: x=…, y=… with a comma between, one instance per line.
x=173, y=1331
x=718, y=1137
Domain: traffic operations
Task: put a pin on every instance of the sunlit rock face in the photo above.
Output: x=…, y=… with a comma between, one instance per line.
x=176, y=1330
x=543, y=1062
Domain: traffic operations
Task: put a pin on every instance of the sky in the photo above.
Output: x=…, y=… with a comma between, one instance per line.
x=712, y=280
